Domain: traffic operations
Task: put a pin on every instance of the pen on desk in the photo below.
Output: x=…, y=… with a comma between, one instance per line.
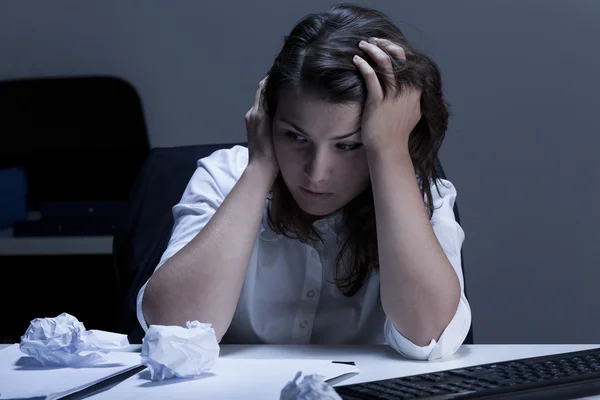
x=342, y=376
x=87, y=390
x=344, y=362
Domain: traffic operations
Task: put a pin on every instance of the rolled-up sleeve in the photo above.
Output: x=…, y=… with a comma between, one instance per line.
x=211, y=182
x=451, y=237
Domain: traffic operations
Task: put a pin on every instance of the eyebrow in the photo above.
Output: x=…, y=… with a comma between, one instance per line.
x=296, y=127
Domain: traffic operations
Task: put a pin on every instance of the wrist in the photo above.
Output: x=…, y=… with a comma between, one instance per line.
x=388, y=153
x=262, y=173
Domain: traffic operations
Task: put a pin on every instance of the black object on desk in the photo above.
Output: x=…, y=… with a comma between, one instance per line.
x=558, y=376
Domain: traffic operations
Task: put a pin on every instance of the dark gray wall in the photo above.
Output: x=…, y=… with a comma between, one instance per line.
x=522, y=78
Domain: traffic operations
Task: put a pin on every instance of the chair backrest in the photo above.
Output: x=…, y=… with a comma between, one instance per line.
x=143, y=238
x=58, y=126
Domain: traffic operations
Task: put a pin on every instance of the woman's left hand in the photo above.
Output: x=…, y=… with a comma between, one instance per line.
x=386, y=123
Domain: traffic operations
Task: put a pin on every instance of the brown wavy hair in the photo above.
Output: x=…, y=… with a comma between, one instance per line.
x=317, y=57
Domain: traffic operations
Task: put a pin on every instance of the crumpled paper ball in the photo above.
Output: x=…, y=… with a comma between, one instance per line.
x=175, y=351
x=312, y=387
x=65, y=341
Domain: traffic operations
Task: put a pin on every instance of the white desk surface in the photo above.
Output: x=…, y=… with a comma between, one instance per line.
x=381, y=362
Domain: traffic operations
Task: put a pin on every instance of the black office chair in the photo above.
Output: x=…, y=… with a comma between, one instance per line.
x=142, y=239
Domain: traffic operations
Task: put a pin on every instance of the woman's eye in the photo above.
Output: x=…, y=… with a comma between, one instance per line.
x=295, y=136
x=349, y=146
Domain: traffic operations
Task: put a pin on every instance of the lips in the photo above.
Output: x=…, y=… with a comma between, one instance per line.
x=314, y=191
x=315, y=195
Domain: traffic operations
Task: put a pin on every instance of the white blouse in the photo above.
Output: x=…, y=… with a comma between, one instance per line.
x=288, y=296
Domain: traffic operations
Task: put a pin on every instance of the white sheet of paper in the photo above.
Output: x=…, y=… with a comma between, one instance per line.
x=21, y=376
x=231, y=378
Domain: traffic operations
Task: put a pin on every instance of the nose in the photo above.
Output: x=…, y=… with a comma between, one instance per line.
x=318, y=168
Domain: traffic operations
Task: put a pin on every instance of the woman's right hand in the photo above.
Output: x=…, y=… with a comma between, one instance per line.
x=260, y=137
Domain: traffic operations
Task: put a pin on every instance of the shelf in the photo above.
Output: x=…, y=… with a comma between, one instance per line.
x=54, y=245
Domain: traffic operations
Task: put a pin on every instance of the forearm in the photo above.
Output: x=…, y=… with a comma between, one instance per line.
x=419, y=287
x=203, y=280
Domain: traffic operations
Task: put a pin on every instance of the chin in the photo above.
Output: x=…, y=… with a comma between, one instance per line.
x=317, y=210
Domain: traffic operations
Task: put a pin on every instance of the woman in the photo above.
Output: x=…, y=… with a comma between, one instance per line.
x=332, y=227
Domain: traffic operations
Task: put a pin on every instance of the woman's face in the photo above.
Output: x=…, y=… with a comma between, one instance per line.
x=319, y=151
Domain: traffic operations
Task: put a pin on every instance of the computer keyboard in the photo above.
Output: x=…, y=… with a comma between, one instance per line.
x=559, y=376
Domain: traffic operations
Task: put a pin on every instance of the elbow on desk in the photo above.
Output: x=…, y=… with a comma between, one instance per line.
x=156, y=311
x=150, y=311
x=157, y=307
x=448, y=343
